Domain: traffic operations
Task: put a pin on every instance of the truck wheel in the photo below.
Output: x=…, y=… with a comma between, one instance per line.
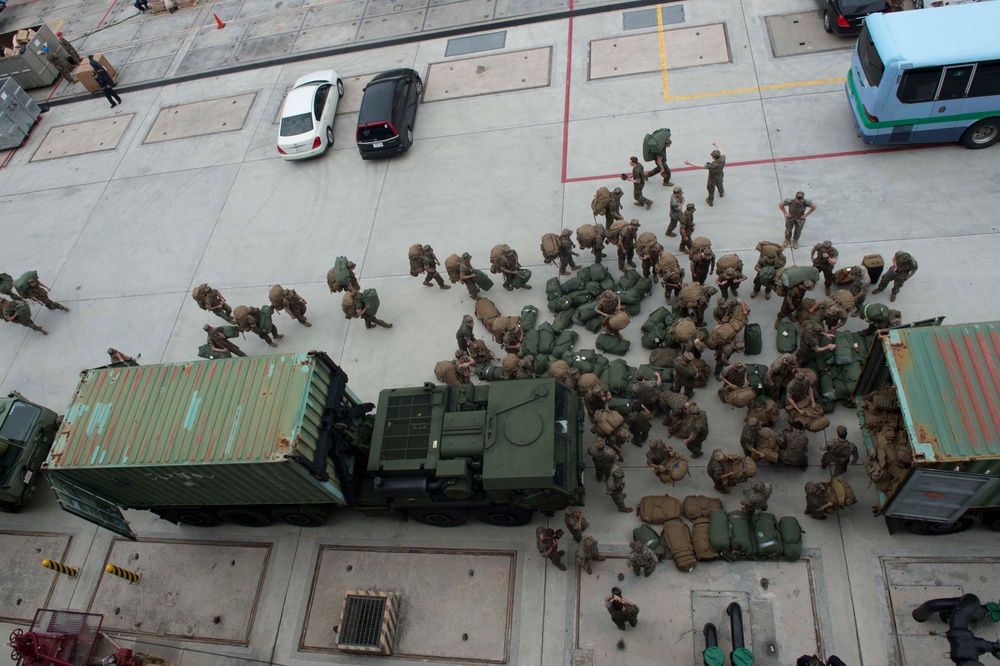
x=994, y=524
x=439, y=516
x=504, y=516
x=936, y=529
x=192, y=517
x=10, y=507
x=247, y=516
x=298, y=516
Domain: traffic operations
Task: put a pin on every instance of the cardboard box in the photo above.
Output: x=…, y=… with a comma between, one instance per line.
x=23, y=36
x=85, y=73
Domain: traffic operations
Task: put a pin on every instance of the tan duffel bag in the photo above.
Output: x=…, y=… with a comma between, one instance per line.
x=700, y=541
x=676, y=536
x=657, y=509
x=700, y=506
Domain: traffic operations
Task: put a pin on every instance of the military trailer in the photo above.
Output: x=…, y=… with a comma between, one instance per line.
x=929, y=404
x=26, y=432
x=255, y=439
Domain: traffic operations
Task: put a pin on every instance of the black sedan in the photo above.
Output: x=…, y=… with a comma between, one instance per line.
x=845, y=17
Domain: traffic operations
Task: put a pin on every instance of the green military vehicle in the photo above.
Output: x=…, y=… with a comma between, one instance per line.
x=255, y=439
x=929, y=404
x=26, y=432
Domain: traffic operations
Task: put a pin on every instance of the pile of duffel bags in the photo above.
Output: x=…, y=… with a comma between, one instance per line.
x=839, y=369
x=573, y=301
x=713, y=534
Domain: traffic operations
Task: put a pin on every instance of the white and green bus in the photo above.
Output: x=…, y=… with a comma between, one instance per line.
x=928, y=76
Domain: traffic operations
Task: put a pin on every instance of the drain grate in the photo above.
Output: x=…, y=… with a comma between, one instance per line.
x=368, y=622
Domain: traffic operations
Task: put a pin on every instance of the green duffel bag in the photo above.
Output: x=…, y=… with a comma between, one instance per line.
x=826, y=389
x=657, y=317
x=581, y=359
x=563, y=320
x=580, y=297
x=594, y=289
x=521, y=279
x=206, y=351
x=585, y=313
x=594, y=324
x=620, y=376
x=649, y=373
x=766, y=275
x=564, y=342
x=597, y=273
x=766, y=536
x=741, y=540
x=793, y=276
x=788, y=337
x=791, y=538
x=628, y=279
x=584, y=274
x=628, y=296
x=655, y=337
x=546, y=338
x=633, y=309
x=553, y=288
x=719, y=533
x=542, y=363
x=489, y=372
x=484, y=281
x=529, y=317
x=529, y=344
x=621, y=405
x=608, y=283
x=601, y=364
x=754, y=339
x=647, y=535
x=341, y=274
x=612, y=344
x=757, y=376
x=561, y=304
x=643, y=286
x=266, y=322
x=575, y=283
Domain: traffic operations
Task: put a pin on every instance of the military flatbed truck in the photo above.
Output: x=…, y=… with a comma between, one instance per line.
x=941, y=417
x=256, y=439
x=26, y=433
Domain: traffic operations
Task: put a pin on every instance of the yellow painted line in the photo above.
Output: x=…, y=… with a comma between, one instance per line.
x=737, y=91
x=663, y=54
x=55, y=25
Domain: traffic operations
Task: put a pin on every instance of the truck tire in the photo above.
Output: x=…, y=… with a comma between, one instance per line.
x=439, y=516
x=504, y=516
x=10, y=507
x=192, y=517
x=937, y=529
x=299, y=516
x=247, y=516
x=993, y=523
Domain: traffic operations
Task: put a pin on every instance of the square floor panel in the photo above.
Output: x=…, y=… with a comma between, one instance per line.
x=213, y=116
x=26, y=585
x=502, y=72
x=801, y=32
x=640, y=54
x=91, y=136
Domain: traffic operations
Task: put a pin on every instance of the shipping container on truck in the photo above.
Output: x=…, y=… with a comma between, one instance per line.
x=947, y=380
x=255, y=439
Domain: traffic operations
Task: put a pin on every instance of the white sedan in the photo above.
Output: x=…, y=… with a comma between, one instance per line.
x=306, y=125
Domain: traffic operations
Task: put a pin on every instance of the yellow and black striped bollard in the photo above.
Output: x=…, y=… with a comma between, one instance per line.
x=60, y=568
x=130, y=576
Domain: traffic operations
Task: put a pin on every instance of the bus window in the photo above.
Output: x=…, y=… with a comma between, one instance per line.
x=870, y=60
x=987, y=80
x=955, y=82
x=919, y=85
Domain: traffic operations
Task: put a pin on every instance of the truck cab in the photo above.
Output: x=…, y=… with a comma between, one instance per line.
x=26, y=434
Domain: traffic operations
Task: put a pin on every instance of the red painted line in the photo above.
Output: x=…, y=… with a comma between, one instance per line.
x=110, y=7
x=569, y=74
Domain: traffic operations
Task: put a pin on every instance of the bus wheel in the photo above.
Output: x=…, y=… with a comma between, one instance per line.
x=982, y=134
x=936, y=529
x=439, y=516
x=247, y=516
x=504, y=516
x=192, y=517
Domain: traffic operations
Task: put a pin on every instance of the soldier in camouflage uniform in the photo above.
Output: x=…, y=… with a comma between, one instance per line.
x=252, y=324
x=467, y=274
x=839, y=453
x=31, y=288
x=547, y=542
x=604, y=458
x=767, y=259
x=798, y=390
x=662, y=458
x=793, y=447
x=859, y=286
x=621, y=609
x=879, y=317
x=755, y=498
x=717, y=471
x=639, y=422
x=649, y=260
x=295, y=305
x=685, y=374
x=749, y=434
x=626, y=245
x=120, y=357
x=352, y=280
x=687, y=228
x=697, y=426
x=818, y=505
x=812, y=340
x=465, y=334
x=702, y=264
x=566, y=252
x=724, y=353
x=676, y=210
x=716, y=173
x=19, y=312
x=646, y=390
x=575, y=522
x=614, y=210
x=588, y=552
x=824, y=258
x=220, y=344
x=902, y=269
x=510, y=266
x=795, y=217
x=641, y=558
x=211, y=300
x=430, y=263
x=595, y=400
x=616, y=488
x=638, y=180
x=7, y=287
x=792, y=301
x=619, y=438
x=371, y=321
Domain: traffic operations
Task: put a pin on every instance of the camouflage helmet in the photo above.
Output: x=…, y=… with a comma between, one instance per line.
x=813, y=487
x=351, y=265
x=634, y=223
x=426, y=248
x=800, y=195
x=738, y=363
x=678, y=190
x=690, y=206
x=716, y=154
x=752, y=421
x=607, y=293
x=111, y=350
x=635, y=545
x=567, y=232
x=655, y=444
x=466, y=255
x=589, y=541
x=757, y=486
x=617, y=472
x=809, y=284
x=206, y=327
x=459, y=354
x=617, y=191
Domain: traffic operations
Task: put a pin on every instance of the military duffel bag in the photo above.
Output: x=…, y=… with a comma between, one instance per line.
x=612, y=344
x=741, y=540
x=766, y=535
x=677, y=536
x=647, y=535
x=700, y=540
x=720, y=534
x=791, y=538
x=657, y=509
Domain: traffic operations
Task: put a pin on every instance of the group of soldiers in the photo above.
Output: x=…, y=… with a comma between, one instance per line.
x=17, y=296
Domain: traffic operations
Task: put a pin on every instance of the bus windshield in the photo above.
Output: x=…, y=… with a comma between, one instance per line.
x=871, y=63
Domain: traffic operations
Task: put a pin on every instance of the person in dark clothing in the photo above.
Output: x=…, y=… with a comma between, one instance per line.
x=107, y=87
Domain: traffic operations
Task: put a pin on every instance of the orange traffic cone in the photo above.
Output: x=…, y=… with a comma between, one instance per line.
x=218, y=22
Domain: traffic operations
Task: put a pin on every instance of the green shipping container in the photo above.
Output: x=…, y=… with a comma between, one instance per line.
x=225, y=432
